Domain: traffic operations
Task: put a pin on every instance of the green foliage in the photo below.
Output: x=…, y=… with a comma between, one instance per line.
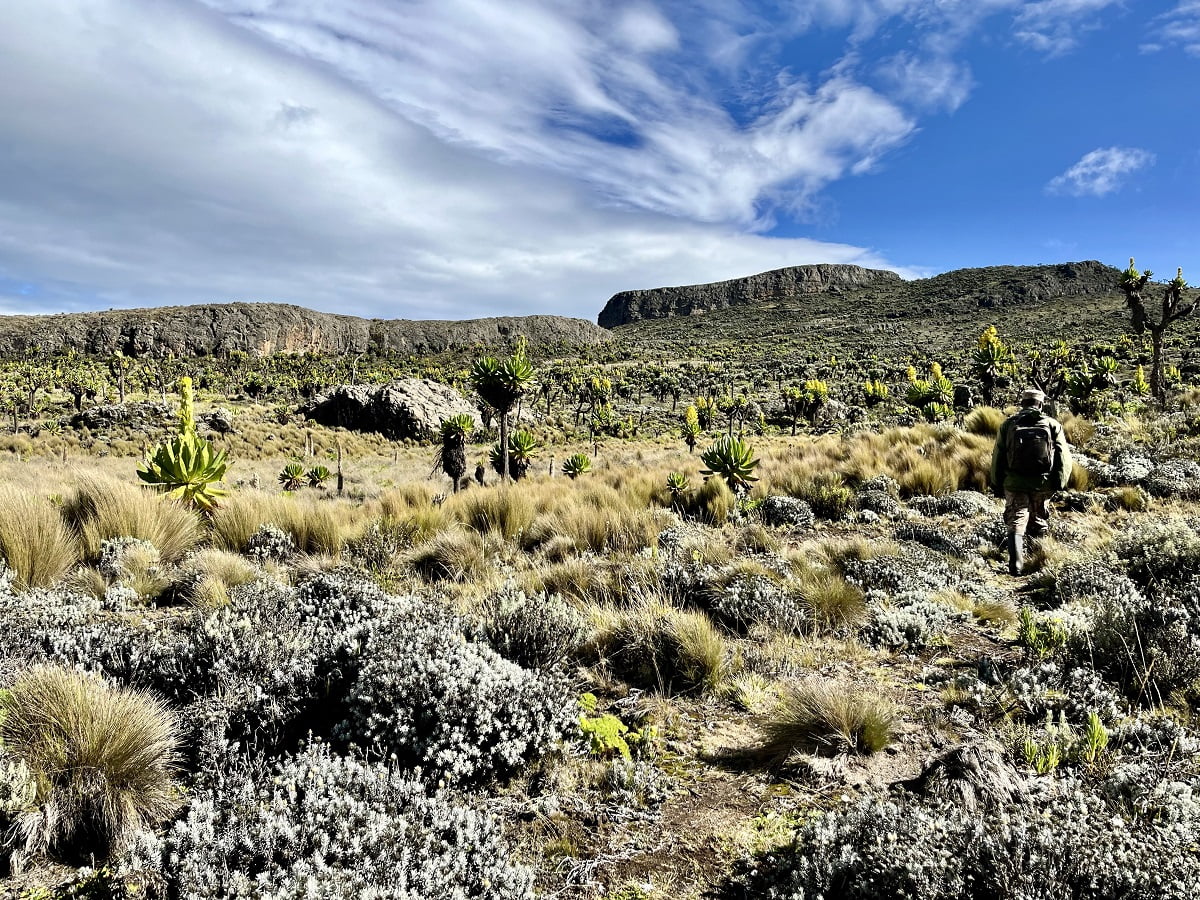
x=1040, y=638
x=875, y=391
x=317, y=475
x=576, y=465
x=523, y=447
x=732, y=460
x=691, y=429
x=291, y=478
x=187, y=467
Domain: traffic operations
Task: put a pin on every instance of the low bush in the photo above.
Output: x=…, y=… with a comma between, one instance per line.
x=453, y=707
x=536, y=632
x=1072, y=845
x=322, y=825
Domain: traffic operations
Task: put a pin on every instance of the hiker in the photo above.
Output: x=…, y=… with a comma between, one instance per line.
x=1031, y=462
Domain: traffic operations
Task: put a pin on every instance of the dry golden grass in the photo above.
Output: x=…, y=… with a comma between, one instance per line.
x=103, y=759
x=317, y=524
x=833, y=604
x=101, y=508
x=36, y=544
x=826, y=716
x=658, y=646
x=207, y=576
x=457, y=554
x=507, y=511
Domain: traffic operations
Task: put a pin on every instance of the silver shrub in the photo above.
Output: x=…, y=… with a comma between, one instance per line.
x=329, y=826
x=455, y=708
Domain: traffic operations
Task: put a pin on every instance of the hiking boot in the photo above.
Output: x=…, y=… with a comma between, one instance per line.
x=1016, y=554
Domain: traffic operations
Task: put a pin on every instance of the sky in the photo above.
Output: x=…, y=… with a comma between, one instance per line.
x=444, y=159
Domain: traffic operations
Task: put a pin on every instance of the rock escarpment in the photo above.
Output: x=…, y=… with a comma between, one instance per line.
x=883, y=292
x=766, y=287
x=264, y=328
x=407, y=408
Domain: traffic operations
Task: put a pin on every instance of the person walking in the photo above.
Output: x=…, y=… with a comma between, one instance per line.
x=1030, y=464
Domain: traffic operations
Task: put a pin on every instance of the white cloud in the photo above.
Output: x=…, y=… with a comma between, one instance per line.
x=1100, y=172
x=160, y=155
x=444, y=157
x=1178, y=28
x=936, y=83
x=1053, y=27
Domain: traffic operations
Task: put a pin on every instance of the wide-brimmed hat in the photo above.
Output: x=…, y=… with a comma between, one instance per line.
x=1032, y=395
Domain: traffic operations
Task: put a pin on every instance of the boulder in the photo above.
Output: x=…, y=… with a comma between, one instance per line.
x=408, y=408
x=142, y=416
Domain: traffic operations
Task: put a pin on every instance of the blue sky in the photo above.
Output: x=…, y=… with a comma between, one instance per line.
x=453, y=158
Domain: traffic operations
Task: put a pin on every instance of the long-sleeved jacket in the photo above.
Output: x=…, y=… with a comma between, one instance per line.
x=1055, y=480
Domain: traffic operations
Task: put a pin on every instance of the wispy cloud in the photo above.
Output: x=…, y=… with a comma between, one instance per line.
x=1100, y=172
x=1054, y=26
x=1178, y=28
x=448, y=157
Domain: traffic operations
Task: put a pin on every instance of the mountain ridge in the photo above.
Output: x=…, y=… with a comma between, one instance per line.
x=984, y=287
x=212, y=329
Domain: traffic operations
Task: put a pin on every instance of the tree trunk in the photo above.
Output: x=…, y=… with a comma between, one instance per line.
x=1157, y=387
x=504, y=447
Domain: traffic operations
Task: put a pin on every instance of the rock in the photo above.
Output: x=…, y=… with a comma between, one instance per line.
x=778, y=284
x=219, y=420
x=217, y=329
x=960, y=290
x=408, y=408
x=142, y=416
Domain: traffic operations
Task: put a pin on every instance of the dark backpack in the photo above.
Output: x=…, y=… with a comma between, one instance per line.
x=1031, y=448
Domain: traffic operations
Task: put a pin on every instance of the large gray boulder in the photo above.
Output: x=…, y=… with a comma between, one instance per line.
x=408, y=408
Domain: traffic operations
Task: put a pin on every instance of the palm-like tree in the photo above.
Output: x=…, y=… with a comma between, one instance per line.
x=501, y=385
x=452, y=456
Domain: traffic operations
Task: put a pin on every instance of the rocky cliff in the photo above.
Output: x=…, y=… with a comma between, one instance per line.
x=766, y=287
x=215, y=329
x=881, y=291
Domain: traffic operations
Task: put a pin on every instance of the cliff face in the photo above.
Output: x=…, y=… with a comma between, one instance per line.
x=766, y=287
x=993, y=286
x=214, y=329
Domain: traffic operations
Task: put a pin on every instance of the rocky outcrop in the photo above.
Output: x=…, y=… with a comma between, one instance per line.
x=766, y=287
x=408, y=408
x=265, y=328
x=959, y=290
x=149, y=416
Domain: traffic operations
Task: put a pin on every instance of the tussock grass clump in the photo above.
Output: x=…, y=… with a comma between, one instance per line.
x=710, y=503
x=827, y=494
x=596, y=520
x=455, y=555
x=410, y=508
x=831, y=602
x=984, y=421
x=34, y=541
x=658, y=646
x=209, y=575
x=101, y=509
x=103, y=760
x=315, y=526
x=506, y=511
x=825, y=716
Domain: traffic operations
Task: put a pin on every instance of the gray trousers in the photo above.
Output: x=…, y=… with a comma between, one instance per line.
x=1027, y=512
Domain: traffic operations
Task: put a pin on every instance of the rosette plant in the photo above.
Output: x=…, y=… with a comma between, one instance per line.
x=452, y=455
x=187, y=467
x=731, y=459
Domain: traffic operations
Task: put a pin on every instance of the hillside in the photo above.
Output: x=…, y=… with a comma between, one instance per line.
x=854, y=291
x=219, y=328
x=1036, y=305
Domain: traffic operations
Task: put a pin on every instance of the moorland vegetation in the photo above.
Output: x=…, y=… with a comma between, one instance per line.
x=681, y=621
